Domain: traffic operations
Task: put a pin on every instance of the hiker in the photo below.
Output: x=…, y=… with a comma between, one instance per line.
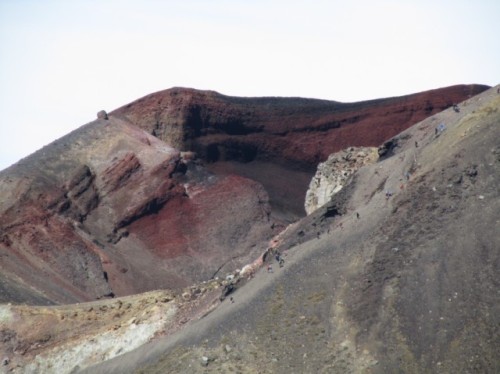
x=232, y=300
x=357, y=215
x=277, y=257
x=416, y=144
x=282, y=263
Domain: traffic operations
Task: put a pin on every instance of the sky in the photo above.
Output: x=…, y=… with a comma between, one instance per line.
x=63, y=61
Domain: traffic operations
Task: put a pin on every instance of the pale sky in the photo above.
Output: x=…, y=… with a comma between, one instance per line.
x=63, y=61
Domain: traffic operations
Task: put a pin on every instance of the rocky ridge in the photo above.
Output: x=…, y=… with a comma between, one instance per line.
x=359, y=293
x=72, y=337
x=109, y=210
x=260, y=137
x=89, y=215
x=408, y=285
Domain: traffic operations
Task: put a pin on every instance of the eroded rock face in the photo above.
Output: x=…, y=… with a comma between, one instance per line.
x=334, y=173
x=290, y=136
x=110, y=210
x=408, y=286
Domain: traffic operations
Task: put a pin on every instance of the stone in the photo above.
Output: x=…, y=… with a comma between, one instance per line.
x=471, y=171
x=386, y=149
x=204, y=361
x=334, y=173
x=102, y=114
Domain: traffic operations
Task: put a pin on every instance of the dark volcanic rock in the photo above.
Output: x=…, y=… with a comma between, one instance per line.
x=102, y=115
x=249, y=135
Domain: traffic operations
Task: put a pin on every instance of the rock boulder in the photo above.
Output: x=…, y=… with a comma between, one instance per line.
x=334, y=173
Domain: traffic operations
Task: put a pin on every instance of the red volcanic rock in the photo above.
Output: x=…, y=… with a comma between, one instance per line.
x=116, y=175
x=292, y=134
x=110, y=210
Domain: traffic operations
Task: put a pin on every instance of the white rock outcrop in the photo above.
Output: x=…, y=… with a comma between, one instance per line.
x=333, y=174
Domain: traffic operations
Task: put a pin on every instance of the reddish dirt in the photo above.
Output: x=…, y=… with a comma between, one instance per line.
x=290, y=133
x=199, y=225
x=111, y=210
x=409, y=284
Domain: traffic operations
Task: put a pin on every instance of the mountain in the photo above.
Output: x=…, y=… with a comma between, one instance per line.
x=411, y=285
x=260, y=138
x=397, y=270
x=112, y=210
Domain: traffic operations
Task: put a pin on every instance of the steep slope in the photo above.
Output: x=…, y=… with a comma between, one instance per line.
x=262, y=137
x=110, y=210
x=64, y=338
x=409, y=286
